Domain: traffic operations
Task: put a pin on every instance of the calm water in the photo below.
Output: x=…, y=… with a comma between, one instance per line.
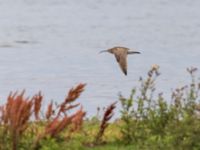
x=51, y=45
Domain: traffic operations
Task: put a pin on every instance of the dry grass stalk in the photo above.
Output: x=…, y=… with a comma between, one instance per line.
x=53, y=129
x=77, y=121
x=16, y=115
x=60, y=122
x=37, y=99
x=104, y=123
x=49, y=111
x=73, y=94
x=56, y=126
x=68, y=107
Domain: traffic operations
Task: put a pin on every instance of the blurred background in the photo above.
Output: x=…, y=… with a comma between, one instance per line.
x=52, y=45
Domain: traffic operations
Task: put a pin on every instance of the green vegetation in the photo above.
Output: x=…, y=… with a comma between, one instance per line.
x=148, y=121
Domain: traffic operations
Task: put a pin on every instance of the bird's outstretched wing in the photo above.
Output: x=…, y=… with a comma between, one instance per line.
x=121, y=57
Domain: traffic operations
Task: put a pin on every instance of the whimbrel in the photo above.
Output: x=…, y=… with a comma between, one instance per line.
x=121, y=56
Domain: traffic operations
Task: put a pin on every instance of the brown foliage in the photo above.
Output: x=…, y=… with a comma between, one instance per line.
x=56, y=126
x=16, y=114
x=77, y=120
x=61, y=120
x=37, y=99
x=49, y=111
x=73, y=94
x=104, y=123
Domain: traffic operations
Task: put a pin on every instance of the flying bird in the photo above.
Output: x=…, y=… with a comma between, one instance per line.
x=121, y=56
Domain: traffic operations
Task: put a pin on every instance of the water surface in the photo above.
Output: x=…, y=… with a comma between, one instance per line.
x=52, y=45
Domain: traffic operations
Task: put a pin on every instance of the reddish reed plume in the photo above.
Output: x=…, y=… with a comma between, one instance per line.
x=61, y=120
x=37, y=99
x=104, y=123
x=16, y=115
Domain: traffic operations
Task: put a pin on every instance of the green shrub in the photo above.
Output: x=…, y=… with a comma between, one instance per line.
x=151, y=122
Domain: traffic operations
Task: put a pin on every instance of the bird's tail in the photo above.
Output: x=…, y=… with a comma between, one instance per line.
x=133, y=52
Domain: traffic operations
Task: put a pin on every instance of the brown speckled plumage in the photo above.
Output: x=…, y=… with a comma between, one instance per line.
x=121, y=56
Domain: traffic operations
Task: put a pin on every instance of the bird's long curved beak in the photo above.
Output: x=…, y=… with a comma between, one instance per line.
x=137, y=52
x=103, y=51
x=133, y=52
